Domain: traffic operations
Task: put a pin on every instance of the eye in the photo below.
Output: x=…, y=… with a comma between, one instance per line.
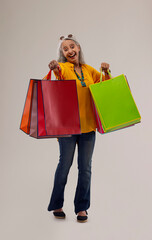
x=72, y=46
x=65, y=49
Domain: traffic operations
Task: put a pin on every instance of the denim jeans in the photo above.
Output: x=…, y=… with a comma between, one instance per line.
x=67, y=146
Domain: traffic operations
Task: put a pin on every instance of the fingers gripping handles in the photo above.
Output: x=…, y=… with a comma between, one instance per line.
x=60, y=74
x=108, y=73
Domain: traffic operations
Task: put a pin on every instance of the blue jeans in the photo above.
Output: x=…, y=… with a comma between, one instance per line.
x=67, y=145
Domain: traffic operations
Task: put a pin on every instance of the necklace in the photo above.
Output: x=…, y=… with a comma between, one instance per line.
x=81, y=79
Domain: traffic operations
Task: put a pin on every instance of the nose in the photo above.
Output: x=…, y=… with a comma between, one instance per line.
x=70, y=51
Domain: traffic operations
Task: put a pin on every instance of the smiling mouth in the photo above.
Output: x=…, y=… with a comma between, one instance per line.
x=72, y=56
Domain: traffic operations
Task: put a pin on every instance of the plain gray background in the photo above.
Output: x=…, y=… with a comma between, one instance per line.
x=120, y=33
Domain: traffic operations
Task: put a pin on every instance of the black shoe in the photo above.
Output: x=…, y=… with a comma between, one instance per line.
x=82, y=219
x=59, y=215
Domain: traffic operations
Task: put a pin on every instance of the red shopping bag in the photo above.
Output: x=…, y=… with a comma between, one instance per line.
x=51, y=109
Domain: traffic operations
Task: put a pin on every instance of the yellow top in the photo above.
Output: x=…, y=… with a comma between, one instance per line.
x=91, y=76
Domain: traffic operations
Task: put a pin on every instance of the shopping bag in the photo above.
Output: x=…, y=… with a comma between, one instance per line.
x=51, y=109
x=114, y=105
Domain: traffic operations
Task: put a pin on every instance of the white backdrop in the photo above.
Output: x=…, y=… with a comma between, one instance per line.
x=115, y=31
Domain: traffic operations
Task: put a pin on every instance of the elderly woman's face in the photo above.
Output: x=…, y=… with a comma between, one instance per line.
x=70, y=51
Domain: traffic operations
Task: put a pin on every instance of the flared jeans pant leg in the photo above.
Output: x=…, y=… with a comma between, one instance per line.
x=67, y=148
x=86, y=144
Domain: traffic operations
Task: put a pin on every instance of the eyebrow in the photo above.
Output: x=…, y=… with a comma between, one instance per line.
x=65, y=47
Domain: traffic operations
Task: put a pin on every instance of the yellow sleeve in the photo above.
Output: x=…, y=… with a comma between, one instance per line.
x=95, y=74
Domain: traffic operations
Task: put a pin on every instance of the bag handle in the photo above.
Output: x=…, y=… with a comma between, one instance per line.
x=60, y=74
x=108, y=73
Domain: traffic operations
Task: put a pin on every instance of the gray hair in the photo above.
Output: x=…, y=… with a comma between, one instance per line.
x=60, y=56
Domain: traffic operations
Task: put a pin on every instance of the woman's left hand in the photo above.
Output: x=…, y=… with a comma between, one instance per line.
x=104, y=66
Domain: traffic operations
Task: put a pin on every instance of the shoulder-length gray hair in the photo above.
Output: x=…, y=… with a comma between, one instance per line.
x=60, y=56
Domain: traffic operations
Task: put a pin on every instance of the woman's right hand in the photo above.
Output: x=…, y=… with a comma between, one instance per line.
x=53, y=65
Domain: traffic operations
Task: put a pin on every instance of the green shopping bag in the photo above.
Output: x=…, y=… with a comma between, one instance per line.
x=114, y=104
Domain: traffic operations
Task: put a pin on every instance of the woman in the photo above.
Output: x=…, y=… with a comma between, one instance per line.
x=72, y=66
